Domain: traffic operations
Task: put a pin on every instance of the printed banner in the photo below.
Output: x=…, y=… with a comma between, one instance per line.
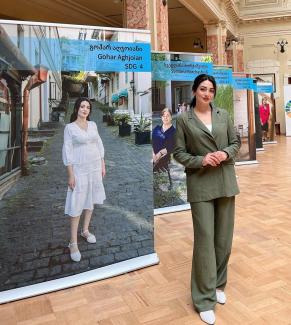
x=179, y=70
x=261, y=88
x=107, y=56
x=110, y=184
x=223, y=76
x=243, y=83
x=266, y=115
x=188, y=71
x=287, y=101
x=172, y=96
x=87, y=55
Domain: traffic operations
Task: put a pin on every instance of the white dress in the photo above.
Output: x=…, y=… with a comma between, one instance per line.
x=83, y=150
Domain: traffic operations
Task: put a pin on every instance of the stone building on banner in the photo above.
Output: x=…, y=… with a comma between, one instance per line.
x=30, y=87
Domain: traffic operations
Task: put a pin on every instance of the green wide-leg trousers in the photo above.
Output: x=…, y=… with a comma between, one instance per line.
x=213, y=223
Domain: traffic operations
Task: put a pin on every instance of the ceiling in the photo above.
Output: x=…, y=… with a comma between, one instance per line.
x=81, y=12
x=88, y=12
x=181, y=20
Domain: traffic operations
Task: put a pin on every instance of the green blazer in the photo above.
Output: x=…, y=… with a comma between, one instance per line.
x=193, y=141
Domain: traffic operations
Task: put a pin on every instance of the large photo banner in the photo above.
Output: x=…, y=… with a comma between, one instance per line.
x=287, y=102
x=173, y=75
x=244, y=119
x=75, y=123
x=266, y=106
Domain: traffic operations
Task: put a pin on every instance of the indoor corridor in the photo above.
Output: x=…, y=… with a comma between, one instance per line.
x=259, y=286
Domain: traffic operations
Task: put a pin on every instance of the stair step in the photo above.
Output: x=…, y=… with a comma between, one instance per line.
x=50, y=125
x=35, y=145
x=34, y=148
x=33, y=142
x=41, y=133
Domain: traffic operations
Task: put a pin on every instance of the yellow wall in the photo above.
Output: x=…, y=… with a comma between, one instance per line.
x=185, y=44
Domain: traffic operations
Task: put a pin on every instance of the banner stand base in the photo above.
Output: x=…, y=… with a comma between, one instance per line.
x=249, y=162
x=82, y=278
x=177, y=208
x=270, y=142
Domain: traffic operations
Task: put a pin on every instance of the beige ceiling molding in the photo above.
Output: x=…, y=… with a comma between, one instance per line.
x=232, y=10
x=211, y=27
x=261, y=3
x=215, y=7
x=277, y=33
x=273, y=18
x=264, y=9
x=214, y=11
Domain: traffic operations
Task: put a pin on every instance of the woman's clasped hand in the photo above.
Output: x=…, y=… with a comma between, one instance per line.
x=214, y=158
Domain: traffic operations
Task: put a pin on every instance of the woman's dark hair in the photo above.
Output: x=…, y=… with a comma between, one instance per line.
x=197, y=82
x=77, y=105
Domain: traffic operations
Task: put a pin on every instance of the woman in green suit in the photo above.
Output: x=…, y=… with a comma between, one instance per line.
x=206, y=145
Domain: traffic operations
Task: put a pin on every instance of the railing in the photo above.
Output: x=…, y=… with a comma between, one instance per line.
x=10, y=159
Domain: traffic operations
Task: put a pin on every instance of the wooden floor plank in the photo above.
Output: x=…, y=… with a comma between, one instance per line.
x=259, y=283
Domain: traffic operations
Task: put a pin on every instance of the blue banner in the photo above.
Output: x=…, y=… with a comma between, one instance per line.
x=179, y=70
x=62, y=54
x=223, y=76
x=243, y=83
x=104, y=56
x=264, y=89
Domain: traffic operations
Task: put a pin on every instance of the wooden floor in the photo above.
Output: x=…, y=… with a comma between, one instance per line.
x=259, y=287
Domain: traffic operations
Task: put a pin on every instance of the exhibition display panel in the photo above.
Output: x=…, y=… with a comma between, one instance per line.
x=173, y=74
x=44, y=69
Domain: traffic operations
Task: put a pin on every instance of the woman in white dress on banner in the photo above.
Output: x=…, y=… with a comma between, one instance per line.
x=83, y=155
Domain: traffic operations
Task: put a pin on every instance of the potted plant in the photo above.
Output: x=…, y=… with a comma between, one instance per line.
x=142, y=129
x=75, y=83
x=123, y=120
x=104, y=109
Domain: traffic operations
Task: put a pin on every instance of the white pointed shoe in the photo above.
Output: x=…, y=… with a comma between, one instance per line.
x=208, y=317
x=220, y=297
x=88, y=236
x=75, y=256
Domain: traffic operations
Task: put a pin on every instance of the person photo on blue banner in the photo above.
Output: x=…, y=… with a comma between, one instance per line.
x=83, y=155
x=206, y=145
x=265, y=113
x=266, y=117
x=163, y=144
x=92, y=72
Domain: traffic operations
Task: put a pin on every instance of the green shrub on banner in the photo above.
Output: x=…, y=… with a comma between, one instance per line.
x=224, y=99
